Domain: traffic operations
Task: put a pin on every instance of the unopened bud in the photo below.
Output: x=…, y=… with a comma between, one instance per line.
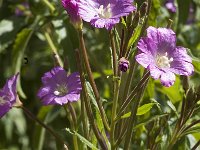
x=123, y=64
x=143, y=9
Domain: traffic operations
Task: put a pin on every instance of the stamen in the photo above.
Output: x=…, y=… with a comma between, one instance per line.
x=163, y=61
x=104, y=12
x=61, y=90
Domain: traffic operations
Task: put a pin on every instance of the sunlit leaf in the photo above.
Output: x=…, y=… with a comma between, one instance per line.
x=144, y=108
x=82, y=139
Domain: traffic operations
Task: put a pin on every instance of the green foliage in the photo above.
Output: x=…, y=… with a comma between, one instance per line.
x=24, y=49
x=85, y=141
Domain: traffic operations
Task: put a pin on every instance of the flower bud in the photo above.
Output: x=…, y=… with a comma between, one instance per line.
x=71, y=7
x=143, y=9
x=123, y=64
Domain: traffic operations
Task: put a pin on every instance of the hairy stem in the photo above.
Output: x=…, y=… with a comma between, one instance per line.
x=96, y=131
x=115, y=89
x=91, y=80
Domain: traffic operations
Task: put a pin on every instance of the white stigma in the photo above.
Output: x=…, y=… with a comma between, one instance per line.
x=163, y=61
x=2, y=101
x=56, y=93
x=105, y=12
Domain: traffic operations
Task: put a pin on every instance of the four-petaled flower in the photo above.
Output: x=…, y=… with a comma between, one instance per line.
x=8, y=95
x=58, y=88
x=104, y=13
x=160, y=55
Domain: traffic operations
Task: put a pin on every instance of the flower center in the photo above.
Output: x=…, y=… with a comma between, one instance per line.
x=105, y=12
x=163, y=61
x=2, y=101
x=61, y=90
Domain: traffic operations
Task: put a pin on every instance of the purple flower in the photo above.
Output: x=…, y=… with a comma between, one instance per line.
x=123, y=64
x=160, y=55
x=20, y=9
x=8, y=95
x=104, y=13
x=58, y=88
x=170, y=6
x=71, y=7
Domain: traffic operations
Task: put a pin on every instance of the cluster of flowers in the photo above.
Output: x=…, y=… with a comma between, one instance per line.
x=158, y=53
x=58, y=88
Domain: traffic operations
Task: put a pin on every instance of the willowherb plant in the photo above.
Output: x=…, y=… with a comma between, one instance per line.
x=128, y=119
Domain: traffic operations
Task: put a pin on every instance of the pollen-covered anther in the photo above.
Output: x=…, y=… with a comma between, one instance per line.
x=163, y=61
x=104, y=12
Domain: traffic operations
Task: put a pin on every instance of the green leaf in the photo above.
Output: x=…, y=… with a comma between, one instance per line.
x=91, y=94
x=192, y=130
x=19, y=47
x=141, y=110
x=82, y=139
x=174, y=93
x=144, y=108
x=135, y=35
x=154, y=12
x=169, y=103
x=126, y=115
x=196, y=65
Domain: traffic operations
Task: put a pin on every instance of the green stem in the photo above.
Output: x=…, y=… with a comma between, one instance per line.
x=73, y=121
x=31, y=116
x=49, y=5
x=196, y=145
x=91, y=80
x=53, y=48
x=115, y=89
x=96, y=131
x=133, y=93
x=132, y=118
x=84, y=118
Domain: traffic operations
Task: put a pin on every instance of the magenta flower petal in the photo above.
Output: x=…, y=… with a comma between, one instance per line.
x=154, y=71
x=167, y=78
x=8, y=95
x=4, y=108
x=58, y=87
x=104, y=13
x=73, y=97
x=159, y=54
x=164, y=38
x=147, y=46
x=71, y=7
x=182, y=63
x=144, y=59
